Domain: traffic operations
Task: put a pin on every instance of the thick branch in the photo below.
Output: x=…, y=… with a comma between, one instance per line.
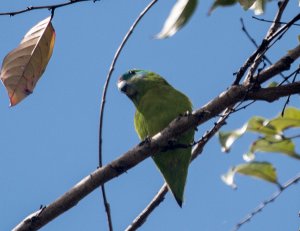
x=271, y=94
x=281, y=65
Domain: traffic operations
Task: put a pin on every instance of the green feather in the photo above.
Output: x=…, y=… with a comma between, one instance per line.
x=157, y=104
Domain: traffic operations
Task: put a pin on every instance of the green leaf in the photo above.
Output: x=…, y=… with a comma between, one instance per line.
x=291, y=119
x=275, y=144
x=218, y=3
x=255, y=124
x=258, y=7
x=226, y=139
x=178, y=17
x=273, y=84
x=272, y=130
x=261, y=125
x=260, y=170
x=246, y=4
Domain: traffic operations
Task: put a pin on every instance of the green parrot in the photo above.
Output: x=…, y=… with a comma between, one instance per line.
x=157, y=104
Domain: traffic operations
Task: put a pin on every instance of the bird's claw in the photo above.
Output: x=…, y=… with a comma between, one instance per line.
x=147, y=140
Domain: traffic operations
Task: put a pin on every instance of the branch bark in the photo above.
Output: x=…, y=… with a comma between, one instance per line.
x=271, y=94
x=282, y=64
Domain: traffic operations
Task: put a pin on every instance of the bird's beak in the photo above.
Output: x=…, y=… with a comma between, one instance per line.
x=127, y=88
x=122, y=86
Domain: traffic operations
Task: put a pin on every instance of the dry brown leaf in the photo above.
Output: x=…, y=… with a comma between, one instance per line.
x=23, y=66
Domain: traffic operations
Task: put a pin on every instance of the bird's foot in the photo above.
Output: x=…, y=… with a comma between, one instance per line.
x=187, y=113
x=147, y=140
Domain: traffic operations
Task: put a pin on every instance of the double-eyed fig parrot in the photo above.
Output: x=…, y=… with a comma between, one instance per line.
x=157, y=104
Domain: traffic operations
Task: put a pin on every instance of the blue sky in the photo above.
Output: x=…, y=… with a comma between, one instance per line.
x=49, y=141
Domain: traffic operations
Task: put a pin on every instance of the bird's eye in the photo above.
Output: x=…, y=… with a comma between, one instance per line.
x=132, y=72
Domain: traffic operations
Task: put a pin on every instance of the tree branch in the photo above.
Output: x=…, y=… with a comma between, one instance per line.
x=244, y=29
x=142, y=217
x=276, y=22
x=254, y=59
x=265, y=45
x=282, y=64
x=48, y=7
x=271, y=94
x=271, y=21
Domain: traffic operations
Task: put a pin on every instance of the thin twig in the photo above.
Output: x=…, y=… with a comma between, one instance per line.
x=260, y=207
x=209, y=134
x=276, y=22
x=103, y=101
x=272, y=39
x=294, y=137
x=142, y=217
x=273, y=32
x=239, y=108
x=289, y=76
x=260, y=50
x=288, y=98
x=271, y=21
x=244, y=29
x=48, y=7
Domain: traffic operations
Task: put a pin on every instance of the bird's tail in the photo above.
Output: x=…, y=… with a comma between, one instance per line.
x=174, y=167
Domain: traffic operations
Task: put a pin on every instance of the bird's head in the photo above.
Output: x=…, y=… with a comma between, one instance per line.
x=135, y=83
x=130, y=81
